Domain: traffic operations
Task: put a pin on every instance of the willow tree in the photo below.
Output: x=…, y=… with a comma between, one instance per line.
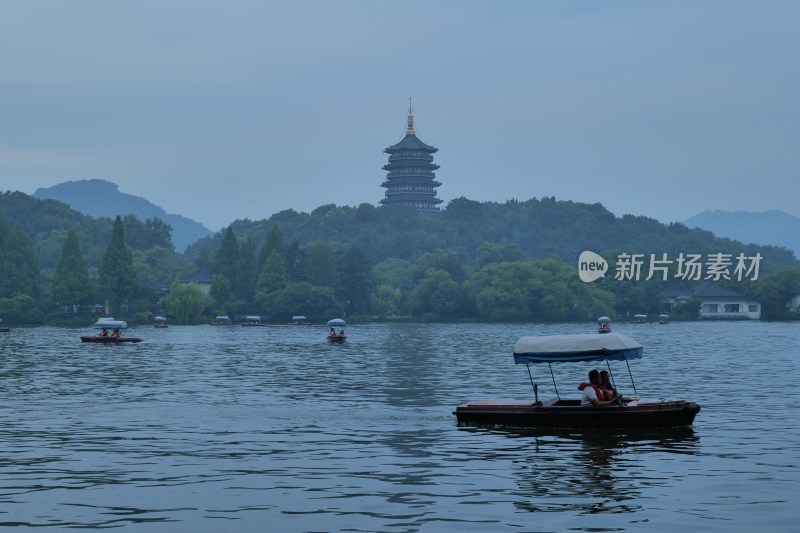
x=71, y=283
x=185, y=302
x=117, y=275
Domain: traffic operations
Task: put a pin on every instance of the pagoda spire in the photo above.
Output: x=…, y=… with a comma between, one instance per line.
x=410, y=129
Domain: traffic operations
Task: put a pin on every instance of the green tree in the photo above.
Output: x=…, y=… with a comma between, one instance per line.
x=355, y=281
x=227, y=261
x=304, y=299
x=117, y=275
x=70, y=284
x=185, y=302
x=775, y=291
x=274, y=243
x=490, y=252
x=248, y=270
x=437, y=295
x=272, y=279
x=19, y=266
x=320, y=265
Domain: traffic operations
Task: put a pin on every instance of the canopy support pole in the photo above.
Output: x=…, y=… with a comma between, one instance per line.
x=534, y=385
x=554, y=381
x=631, y=375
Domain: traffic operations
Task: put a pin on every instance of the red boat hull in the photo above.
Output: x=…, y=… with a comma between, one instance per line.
x=110, y=340
x=570, y=414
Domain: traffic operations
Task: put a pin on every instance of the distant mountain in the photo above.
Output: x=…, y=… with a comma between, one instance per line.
x=100, y=198
x=769, y=227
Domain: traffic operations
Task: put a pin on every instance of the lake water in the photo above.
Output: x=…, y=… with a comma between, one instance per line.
x=214, y=429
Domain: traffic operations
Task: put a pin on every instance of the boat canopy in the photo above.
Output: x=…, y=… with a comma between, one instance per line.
x=603, y=319
x=576, y=348
x=222, y=317
x=298, y=317
x=336, y=323
x=253, y=318
x=663, y=316
x=639, y=316
x=160, y=319
x=110, y=323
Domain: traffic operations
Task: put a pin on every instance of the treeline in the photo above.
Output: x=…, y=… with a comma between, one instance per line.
x=512, y=261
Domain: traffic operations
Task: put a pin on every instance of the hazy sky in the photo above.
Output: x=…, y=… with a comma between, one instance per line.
x=218, y=110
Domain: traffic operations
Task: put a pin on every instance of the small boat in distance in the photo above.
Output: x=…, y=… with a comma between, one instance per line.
x=252, y=320
x=639, y=319
x=299, y=320
x=569, y=413
x=115, y=337
x=4, y=329
x=222, y=320
x=663, y=319
x=336, y=330
x=603, y=325
x=161, y=322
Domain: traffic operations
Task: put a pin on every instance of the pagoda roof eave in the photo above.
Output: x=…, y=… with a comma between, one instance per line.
x=410, y=141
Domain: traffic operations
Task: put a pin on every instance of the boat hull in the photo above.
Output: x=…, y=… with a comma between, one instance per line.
x=337, y=338
x=110, y=340
x=571, y=415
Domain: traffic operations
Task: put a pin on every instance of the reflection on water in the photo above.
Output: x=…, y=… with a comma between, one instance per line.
x=210, y=429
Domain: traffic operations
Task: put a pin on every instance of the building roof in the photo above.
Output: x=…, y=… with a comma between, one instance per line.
x=410, y=141
x=201, y=276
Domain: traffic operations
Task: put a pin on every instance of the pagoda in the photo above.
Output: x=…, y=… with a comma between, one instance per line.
x=410, y=172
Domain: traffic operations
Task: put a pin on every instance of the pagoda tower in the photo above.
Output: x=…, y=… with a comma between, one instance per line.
x=410, y=172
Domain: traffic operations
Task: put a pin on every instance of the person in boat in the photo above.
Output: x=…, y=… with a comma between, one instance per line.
x=103, y=333
x=593, y=393
x=341, y=333
x=333, y=332
x=609, y=392
x=116, y=333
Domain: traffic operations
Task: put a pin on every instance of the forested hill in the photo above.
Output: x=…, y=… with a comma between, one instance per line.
x=534, y=228
x=46, y=223
x=100, y=198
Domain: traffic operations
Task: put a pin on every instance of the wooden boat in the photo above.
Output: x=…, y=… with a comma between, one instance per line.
x=334, y=335
x=566, y=413
x=300, y=320
x=105, y=324
x=639, y=319
x=161, y=322
x=109, y=339
x=252, y=320
x=663, y=319
x=4, y=329
x=222, y=320
x=603, y=325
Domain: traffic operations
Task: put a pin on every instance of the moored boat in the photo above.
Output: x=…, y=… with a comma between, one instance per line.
x=115, y=337
x=569, y=413
x=161, y=322
x=3, y=329
x=639, y=319
x=663, y=319
x=252, y=320
x=222, y=320
x=300, y=320
x=336, y=331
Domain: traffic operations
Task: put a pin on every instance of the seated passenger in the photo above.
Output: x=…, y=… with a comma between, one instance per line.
x=609, y=393
x=341, y=333
x=103, y=333
x=592, y=392
x=116, y=333
x=332, y=333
